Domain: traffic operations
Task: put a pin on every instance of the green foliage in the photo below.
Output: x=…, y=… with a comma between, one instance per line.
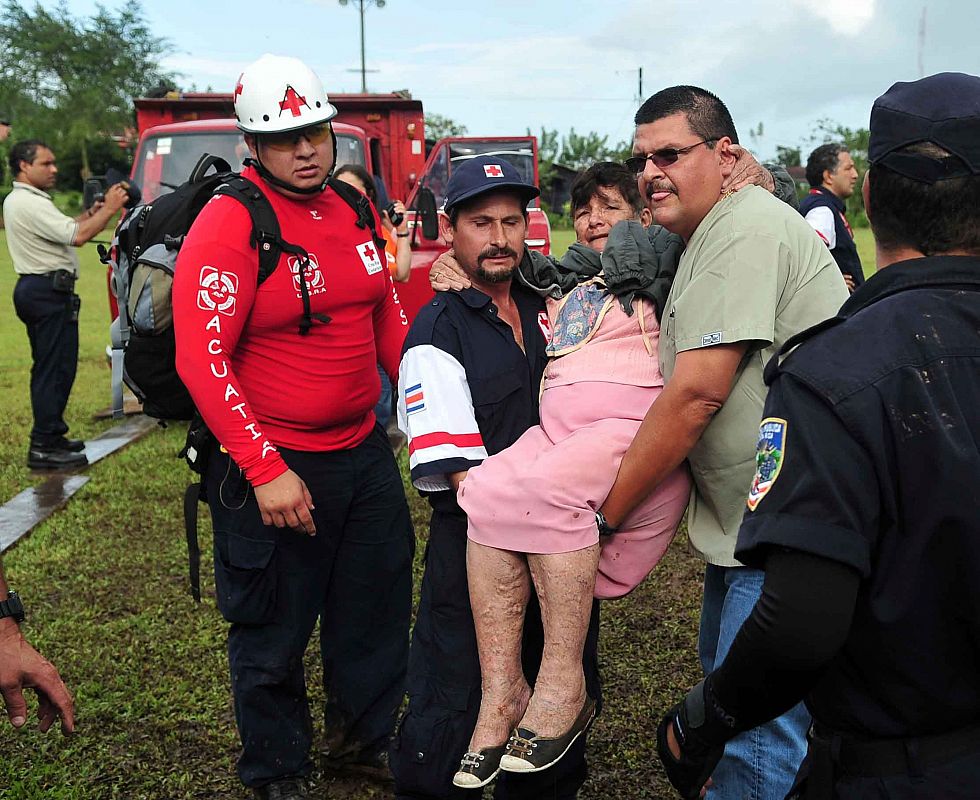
x=439, y=127
x=71, y=80
x=856, y=139
x=576, y=151
x=788, y=156
x=102, y=153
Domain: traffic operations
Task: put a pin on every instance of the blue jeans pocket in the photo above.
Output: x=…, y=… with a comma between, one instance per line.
x=245, y=578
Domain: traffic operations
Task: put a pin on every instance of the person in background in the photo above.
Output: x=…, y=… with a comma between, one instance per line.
x=832, y=176
x=398, y=250
x=40, y=240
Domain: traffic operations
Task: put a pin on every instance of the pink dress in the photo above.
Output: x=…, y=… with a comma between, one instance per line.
x=540, y=494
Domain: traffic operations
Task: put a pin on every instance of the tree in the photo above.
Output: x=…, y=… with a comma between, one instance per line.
x=788, y=156
x=72, y=80
x=438, y=127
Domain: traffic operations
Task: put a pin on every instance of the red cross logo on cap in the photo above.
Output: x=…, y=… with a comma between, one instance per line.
x=493, y=171
x=292, y=101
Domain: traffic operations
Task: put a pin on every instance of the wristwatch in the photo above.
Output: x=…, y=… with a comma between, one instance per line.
x=12, y=607
x=605, y=529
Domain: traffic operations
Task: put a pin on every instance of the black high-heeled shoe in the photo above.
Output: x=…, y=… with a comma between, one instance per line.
x=477, y=769
x=528, y=752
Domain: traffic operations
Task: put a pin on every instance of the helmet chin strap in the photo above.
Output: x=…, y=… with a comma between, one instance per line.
x=270, y=178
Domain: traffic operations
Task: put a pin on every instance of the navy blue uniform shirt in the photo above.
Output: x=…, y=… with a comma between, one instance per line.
x=870, y=456
x=466, y=389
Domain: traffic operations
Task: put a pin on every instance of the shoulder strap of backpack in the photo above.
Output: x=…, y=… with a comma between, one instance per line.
x=267, y=239
x=266, y=234
x=361, y=206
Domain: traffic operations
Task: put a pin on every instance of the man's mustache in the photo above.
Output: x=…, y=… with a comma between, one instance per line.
x=657, y=186
x=496, y=252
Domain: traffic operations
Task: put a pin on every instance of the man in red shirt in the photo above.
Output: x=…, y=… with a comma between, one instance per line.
x=310, y=517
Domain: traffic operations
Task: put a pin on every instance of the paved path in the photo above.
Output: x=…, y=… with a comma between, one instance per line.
x=34, y=505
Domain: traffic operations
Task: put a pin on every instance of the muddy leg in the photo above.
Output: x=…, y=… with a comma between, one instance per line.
x=564, y=583
x=500, y=586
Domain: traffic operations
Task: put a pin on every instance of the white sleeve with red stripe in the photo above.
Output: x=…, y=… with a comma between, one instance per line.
x=435, y=409
x=821, y=219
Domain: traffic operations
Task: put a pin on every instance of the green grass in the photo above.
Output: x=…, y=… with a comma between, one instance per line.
x=105, y=583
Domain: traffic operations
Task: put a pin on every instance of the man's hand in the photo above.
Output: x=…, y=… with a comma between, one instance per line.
x=690, y=740
x=116, y=197
x=22, y=667
x=849, y=283
x=399, y=207
x=689, y=765
x=447, y=275
x=747, y=172
x=286, y=503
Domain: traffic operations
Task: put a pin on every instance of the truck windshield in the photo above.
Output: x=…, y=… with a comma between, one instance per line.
x=165, y=161
x=449, y=155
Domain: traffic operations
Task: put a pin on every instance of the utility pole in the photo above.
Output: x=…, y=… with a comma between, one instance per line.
x=922, y=42
x=361, y=5
x=640, y=88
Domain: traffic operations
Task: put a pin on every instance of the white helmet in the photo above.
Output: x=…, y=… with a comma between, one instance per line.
x=277, y=94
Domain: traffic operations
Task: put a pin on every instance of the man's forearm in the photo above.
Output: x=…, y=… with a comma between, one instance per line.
x=90, y=226
x=669, y=430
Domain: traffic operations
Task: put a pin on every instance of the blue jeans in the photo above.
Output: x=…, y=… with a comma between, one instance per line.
x=759, y=764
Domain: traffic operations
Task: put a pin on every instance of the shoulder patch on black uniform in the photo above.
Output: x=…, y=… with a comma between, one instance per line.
x=769, y=455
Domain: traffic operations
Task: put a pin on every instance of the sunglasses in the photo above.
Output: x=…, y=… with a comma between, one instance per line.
x=662, y=158
x=314, y=134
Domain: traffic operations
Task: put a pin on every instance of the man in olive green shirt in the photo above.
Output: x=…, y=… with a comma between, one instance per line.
x=751, y=276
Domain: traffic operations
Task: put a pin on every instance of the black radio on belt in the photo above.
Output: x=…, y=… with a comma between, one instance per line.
x=63, y=280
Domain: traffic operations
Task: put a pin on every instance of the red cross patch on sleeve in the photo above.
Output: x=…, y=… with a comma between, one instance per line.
x=368, y=253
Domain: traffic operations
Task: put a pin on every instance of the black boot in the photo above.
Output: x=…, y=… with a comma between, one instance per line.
x=44, y=458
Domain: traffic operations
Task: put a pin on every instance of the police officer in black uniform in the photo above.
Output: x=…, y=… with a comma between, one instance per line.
x=468, y=390
x=866, y=515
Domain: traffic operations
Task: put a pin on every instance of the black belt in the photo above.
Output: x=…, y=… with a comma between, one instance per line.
x=831, y=755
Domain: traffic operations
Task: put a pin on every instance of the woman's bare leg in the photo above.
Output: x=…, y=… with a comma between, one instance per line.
x=500, y=586
x=565, y=583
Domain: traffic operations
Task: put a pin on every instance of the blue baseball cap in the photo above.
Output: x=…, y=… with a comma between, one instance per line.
x=943, y=109
x=484, y=174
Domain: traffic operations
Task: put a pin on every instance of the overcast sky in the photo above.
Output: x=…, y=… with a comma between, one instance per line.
x=502, y=66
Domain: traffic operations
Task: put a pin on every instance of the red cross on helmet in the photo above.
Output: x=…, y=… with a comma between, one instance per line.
x=279, y=93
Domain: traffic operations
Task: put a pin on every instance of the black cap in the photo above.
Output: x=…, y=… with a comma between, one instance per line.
x=943, y=109
x=486, y=174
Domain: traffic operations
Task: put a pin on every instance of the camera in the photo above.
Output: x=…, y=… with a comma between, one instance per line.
x=94, y=189
x=394, y=216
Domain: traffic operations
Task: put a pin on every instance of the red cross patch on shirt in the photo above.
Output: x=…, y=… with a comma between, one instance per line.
x=368, y=253
x=493, y=171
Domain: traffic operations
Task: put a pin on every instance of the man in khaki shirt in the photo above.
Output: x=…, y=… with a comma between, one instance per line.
x=751, y=276
x=40, y=238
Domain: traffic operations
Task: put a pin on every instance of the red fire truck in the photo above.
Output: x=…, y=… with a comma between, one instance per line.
x=384, y=133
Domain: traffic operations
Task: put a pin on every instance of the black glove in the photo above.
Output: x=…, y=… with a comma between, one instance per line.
x=701, y=728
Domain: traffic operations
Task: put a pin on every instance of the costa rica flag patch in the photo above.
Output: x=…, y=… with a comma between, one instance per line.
x=414, y=399
x=769, y=455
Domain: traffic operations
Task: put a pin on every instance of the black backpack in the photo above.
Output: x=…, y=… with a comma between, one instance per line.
x=142, y=259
